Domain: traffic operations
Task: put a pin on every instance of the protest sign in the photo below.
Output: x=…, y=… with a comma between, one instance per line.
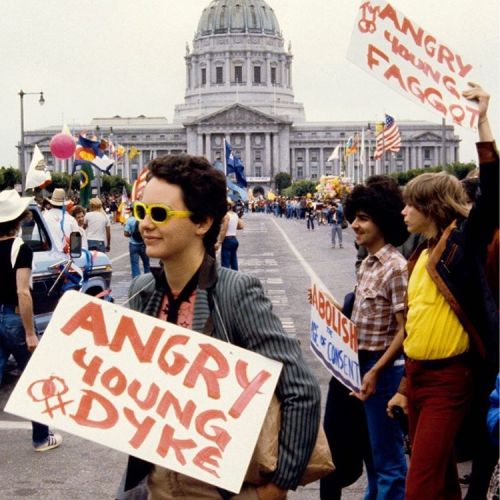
x=168, y=395
x=414, y=62
x=333, y=338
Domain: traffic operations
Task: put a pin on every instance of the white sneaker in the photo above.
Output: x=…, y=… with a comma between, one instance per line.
x=53, y=441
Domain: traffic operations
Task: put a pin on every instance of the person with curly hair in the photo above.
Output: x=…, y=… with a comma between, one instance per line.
x=374, y=211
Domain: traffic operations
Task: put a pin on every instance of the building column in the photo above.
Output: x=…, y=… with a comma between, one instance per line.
x=267, y=161
x=307, y=173
x=228, y=70
x=276, y=160
x=208, y=147
x=209, y=72
x=321, y=161
x=248, y=152
x=293, y=164
x=249, y=69
x=199, y=147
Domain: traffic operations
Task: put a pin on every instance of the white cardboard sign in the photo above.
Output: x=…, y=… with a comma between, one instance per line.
x=412, y=61
x=333, y=339
x=168, y=395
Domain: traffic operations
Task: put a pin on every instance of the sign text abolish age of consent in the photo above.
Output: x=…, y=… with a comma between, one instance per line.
x=165, y=394
x=333, y=339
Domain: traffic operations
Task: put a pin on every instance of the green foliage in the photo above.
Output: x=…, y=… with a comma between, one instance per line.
x=300, y=188
x=282, y=181
x=459, y=170
x=9, y=177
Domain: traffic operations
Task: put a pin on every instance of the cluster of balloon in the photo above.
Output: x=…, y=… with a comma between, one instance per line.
x=62, y=146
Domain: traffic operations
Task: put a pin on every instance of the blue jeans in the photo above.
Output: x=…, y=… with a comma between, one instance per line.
x=336, y=231
x=136, y=252
x=228, y=256
x=386, y=465
x=13, y=341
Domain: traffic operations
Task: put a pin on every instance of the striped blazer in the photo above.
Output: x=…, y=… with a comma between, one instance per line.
x=249, y=322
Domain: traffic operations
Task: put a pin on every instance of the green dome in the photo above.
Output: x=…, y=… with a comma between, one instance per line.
x=238, y=16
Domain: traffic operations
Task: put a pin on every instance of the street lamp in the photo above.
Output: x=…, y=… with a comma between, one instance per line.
x=22, y=163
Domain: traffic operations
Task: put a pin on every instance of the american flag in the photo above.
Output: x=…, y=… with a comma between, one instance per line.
x=387, y=137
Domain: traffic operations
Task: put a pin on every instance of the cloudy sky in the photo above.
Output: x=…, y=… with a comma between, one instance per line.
x=126, y=57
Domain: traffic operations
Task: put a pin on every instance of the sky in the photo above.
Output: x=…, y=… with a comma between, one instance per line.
x=126, y=57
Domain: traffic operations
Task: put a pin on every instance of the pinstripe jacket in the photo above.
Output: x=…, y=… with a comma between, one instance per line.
x=250, y=323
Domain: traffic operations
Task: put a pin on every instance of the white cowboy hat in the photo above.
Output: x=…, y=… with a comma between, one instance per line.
x=58, y=198
x=12, y=205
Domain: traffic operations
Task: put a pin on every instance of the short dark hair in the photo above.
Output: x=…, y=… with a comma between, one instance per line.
x=9, y=227
x=203, y=189
x=382, y=200
x=77, y=209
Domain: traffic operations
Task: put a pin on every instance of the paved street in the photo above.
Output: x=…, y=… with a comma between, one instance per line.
x=284, y=255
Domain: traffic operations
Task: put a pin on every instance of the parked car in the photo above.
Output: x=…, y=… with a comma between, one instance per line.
x=47, y=265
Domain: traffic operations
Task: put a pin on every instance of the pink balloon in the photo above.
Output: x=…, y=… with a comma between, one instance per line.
x=62, y=146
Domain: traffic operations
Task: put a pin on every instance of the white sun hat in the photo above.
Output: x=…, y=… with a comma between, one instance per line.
x=12, y=205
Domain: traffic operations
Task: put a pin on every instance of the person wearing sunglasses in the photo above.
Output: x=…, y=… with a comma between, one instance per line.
x=180, y=216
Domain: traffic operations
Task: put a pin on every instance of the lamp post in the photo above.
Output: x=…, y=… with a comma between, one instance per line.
x=22, y=162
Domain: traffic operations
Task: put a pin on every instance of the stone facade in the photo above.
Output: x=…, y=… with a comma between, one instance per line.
x=239, y=87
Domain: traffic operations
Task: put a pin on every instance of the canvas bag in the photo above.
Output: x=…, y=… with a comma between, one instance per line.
x=265, y=456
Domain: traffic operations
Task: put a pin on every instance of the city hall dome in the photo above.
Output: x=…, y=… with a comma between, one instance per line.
x=238, y=16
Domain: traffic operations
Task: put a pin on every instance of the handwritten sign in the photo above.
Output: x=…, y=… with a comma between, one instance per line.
x=409, y=59
x=168, y=395
x=333, y=339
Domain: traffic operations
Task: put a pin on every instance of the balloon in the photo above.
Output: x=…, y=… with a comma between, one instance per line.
x=62, y=146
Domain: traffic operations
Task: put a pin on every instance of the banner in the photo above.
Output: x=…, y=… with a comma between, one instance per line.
x=412, y=61
x=333, y=339
x=168, y=395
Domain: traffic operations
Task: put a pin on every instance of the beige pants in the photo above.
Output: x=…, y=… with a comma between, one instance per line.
x=164, y=484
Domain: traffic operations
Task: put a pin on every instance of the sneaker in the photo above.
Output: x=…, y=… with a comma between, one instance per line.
x=52, y=441
x=341, y=246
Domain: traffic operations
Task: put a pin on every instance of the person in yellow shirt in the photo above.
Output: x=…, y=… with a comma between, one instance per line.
x=451, y=318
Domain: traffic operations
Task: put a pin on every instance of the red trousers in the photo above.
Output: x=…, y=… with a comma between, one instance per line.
x=439, y=393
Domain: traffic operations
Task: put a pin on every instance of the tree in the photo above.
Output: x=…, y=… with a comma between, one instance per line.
x=300, y=188
x=9, y=177
x=282, y=181
x=459, y=170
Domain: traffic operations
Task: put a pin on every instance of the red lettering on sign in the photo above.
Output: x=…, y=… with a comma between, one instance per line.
x=321, y=308
x=372, y=51
x=142, y=429
x=449, y=84
x=114, y=380
x=184, y=416
x=151, y=397
x=180, y=361
x=168, y=442
x=219, y=435
x=82, y=416
x=126, y=329
x=90, y=318
x=199, y=368
x=91, y=369
x=206, y=456
x=250, y=389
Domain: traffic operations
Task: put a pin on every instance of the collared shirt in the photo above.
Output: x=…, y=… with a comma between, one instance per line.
x=380, y=294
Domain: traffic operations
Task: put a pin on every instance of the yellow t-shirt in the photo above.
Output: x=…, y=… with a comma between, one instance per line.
x=433, y=329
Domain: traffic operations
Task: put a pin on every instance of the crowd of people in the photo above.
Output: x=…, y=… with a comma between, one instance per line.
x=425, y=306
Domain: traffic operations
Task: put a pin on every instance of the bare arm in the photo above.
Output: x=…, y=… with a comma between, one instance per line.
x=108, y=237
x=222, y=232
x=476, y=93
x=26, y=306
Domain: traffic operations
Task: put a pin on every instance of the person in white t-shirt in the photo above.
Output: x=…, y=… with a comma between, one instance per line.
x=227, y=240
x=98, y=227
x=61, y=224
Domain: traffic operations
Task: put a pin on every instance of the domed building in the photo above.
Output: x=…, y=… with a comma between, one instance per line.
x=239, y=86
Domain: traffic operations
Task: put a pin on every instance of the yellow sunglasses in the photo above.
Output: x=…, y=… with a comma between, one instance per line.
x=159, y=214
